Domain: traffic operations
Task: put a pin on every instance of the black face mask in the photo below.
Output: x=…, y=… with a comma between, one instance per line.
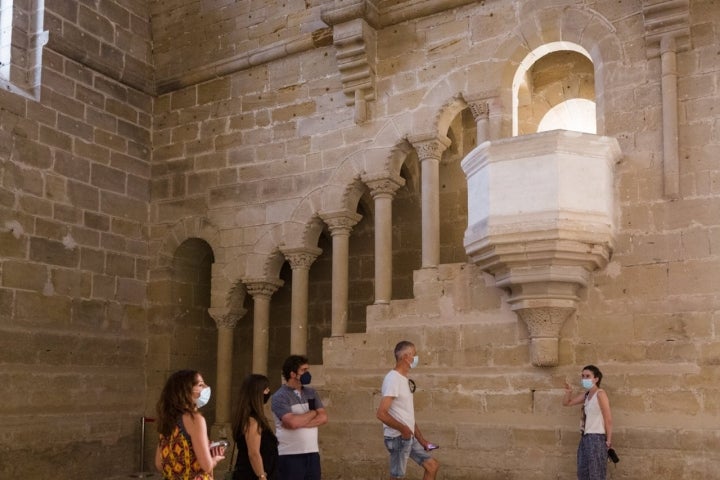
x=266, y=397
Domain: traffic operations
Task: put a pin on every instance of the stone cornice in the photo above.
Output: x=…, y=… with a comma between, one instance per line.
x=666, y=22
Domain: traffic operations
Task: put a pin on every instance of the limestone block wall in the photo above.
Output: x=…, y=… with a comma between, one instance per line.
x=267, y=142
x=74, y=197
x=234, y=132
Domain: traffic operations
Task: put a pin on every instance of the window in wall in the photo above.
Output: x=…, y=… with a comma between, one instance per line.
x=5, y=37
x=21, y=42
x=554, y=88
x=575, y=114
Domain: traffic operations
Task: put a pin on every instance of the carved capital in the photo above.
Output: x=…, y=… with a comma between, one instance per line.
x=262, y=287
x=430, y=148
x=383, y=184
x=544, y=324
x=301, y=257
x=480, y=110
x=224, y=318
x=667, y=23
x=340, y=222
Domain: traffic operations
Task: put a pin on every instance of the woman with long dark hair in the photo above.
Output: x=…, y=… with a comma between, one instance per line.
x=256, y=443
x=596, y=426
x=183, y=451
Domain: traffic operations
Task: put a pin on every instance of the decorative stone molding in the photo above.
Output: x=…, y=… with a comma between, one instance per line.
x=356, y=45
x=666, y=19
x=540, y=220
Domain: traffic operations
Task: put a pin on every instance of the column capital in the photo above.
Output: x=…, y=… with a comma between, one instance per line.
x=429, y=147
x=225, y=318
x=667, y=22
x=340, y=221
x=301, y=257
x=383, y=184
x=262, y=287
x=480, y=109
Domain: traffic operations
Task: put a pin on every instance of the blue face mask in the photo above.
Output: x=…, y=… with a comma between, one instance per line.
x=587, y=383
x=204, y=397
x=305, y=378
x=416, y=360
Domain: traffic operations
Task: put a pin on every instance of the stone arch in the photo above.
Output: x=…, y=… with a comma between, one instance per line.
x=583, y=27
x=184, y=229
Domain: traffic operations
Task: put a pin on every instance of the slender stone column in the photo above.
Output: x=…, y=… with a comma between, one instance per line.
x=429, y=150
x=671, y=168
x=261, y=291
x=382, y=188
x=340, y=224
x=481, y=112
x=667, y=32
x=226, y=322
x=300, y=260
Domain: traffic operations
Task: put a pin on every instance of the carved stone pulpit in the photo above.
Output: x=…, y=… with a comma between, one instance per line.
x=541, y=220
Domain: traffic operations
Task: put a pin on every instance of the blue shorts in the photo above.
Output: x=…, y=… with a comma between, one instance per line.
x=400, y=450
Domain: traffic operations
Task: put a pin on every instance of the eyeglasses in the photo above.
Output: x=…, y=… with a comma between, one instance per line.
x=411, y=383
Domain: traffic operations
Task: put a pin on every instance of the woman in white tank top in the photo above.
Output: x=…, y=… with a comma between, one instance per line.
x=596, y=426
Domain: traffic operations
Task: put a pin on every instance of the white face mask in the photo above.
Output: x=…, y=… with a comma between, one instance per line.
x=587, y=383
x=204, y=397
x=416, y=360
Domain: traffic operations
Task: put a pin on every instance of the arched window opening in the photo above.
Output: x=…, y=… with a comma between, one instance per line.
x=554, y=88
x=193, y=333
x=575, y=114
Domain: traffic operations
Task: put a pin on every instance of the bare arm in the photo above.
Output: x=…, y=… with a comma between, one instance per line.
x=569, y=400
x=158, y=459
x=604, y=403
x=294, y=421
x=383, y=414
x=320, y=419
x=197, y=428
x=252, y=438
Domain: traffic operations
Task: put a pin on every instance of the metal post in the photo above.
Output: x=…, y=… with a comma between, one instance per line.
x=141, y=473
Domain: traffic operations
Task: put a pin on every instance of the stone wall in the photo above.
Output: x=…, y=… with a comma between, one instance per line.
x=74, y=203
x=166, y=164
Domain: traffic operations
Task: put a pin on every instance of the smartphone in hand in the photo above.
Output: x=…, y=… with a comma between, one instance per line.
x=219, y=443
x=431, y=446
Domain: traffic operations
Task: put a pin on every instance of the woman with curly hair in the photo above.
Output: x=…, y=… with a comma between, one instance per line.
x=183, y=451
x=254, y=437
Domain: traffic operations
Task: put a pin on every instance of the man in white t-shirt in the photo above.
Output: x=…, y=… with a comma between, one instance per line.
x=298, y=411
x=403, y=438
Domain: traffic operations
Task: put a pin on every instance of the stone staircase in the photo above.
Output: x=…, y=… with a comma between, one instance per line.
x=477, y=395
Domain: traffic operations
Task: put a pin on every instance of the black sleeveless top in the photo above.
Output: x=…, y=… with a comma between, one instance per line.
x=268, y=452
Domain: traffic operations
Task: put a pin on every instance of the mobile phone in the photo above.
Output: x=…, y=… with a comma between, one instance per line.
x=432, y=446
x=219, y=443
